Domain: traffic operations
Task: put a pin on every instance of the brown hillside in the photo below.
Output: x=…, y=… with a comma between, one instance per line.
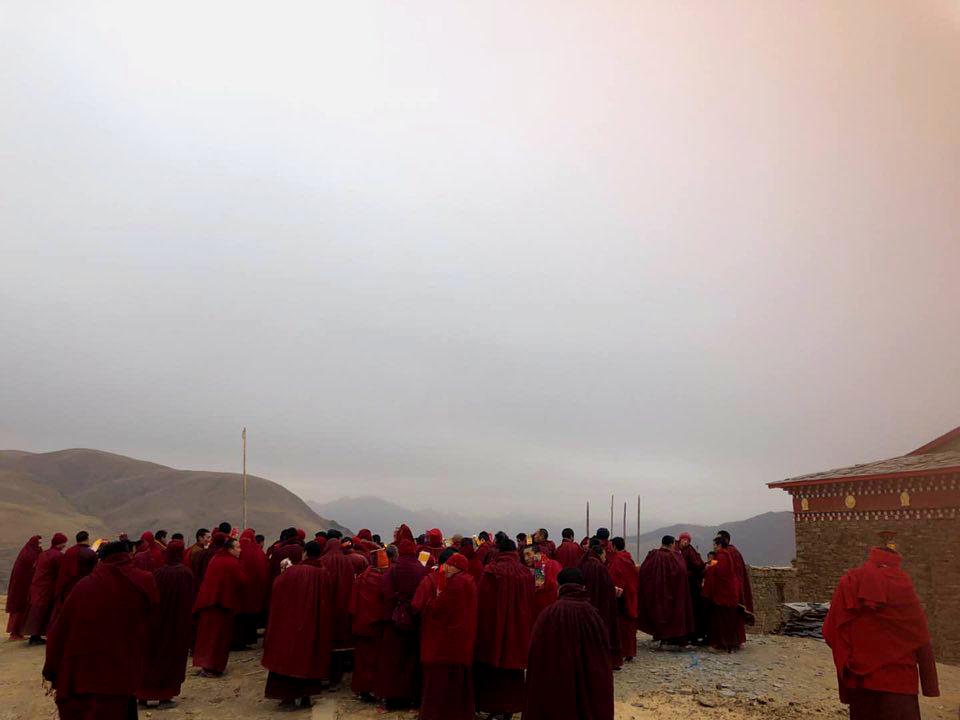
x=104, y=493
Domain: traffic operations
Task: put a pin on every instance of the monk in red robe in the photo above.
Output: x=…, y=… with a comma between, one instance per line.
x=149, y=555
x=169, y=630
x=43, y=590
x=367, y=620
x=218, y=602
x=664, y=608
x=448, y=632
x=486, y=548
x=695, y=567
x=398, y=674
x=743, y=572
x=95, y=652
x=569, y=554
x=254, y=601
x=340, y=576
x=624, y=574
x=474, y=564
x=545, y=572
x=18, y=590
x=192, y=556
x=433, y=545
x=289, y=547
x=603, y=595
x=355, y=555
x=548, y=548
x=78, y=562
x=569, y=674
x=299, y=641
x=878, y=633
x=722, y=589
x=504, y=621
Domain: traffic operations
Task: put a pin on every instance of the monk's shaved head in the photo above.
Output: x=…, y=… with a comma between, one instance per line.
x=570, y=575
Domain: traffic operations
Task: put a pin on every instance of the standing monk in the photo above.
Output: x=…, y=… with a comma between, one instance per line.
x=743, y=572
x=664, y=608
x=722, y=589
x=77, y=562
x=603, y=595
x=297, y=646
x=624, y=574
x=18, y=591
x=96, y=650
x=878, y=633
x=367, y=620
x=340, y=576
x=254, y=601
x=569, y=554
x=485, y=548
x=398, y=674
x=169, y=632
x=448, y=633
x=569, y=673
x=474, y=564
x=545, y=572
x=43, y=588
x=695, y=566
x=548, y=548
x=504, y=621
x=193, y=553
x=218, y=602
x=149, y=553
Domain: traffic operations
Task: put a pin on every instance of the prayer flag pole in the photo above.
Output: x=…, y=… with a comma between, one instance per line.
x=244, y=436
x=588, y=518
x=638, y=530
x=611, y=513
x=624, y=520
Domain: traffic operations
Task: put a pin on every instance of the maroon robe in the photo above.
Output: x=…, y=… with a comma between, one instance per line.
x=43, y=592
x=169, y=632
x=219, y=600
x=569, y=554
x=603, y=596
x=299, y=639
x=292, y=550
x=78, y=562
x=398, y=675
x=625, y=576
x=548, y=548
x=95, y=653
x=743, y=571
x=447, y=635
x=150, y=555
x=484, y=551
x=665, y=610
x=569, y=674
x=722, y=588
x=340, y=575
x=358, y=561
x=545, y=594
x=367, y=620
x=695, y=567
x=18, y=591
x=474, y=564
x=504, y=621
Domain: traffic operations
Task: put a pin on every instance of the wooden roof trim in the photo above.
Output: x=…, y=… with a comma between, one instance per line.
x=877, y=476
x=937, y=442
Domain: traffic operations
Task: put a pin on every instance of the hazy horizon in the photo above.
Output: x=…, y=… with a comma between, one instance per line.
x=492, y=257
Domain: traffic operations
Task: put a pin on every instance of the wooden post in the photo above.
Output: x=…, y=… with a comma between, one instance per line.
x=244, y=525
x=638, y=530
x=624, y=520
x=588, y=518
x=611, y=514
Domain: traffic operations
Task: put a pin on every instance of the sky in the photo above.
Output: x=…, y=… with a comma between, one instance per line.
x=484, y=256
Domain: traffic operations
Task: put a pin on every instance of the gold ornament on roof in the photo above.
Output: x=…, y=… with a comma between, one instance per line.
x=904, y=499
x=850, y=501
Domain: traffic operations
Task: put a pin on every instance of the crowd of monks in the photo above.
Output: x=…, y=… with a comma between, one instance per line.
x=450, y=626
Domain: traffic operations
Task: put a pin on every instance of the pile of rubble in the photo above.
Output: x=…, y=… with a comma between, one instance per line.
x=804, y=619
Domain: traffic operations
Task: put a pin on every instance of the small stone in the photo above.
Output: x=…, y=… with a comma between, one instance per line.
x=707, y=702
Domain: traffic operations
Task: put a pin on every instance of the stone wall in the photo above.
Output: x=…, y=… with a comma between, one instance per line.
x=828, y=548
x=772, y=586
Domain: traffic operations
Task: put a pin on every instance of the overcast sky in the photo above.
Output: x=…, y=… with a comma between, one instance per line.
x=484, y=255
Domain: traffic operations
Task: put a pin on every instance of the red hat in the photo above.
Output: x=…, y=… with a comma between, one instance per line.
x=301, y=534
x=458, y=561
x=685, y=535
x=407, y=547
x=58, y=539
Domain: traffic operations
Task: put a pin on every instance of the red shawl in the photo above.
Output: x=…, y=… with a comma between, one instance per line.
x=254, y=563
x=505, y=613
x=721, y=582
x=875, y=618
x=569, y=675
x=449, y=622
x=223, y=585
x=743, y=572
x=44, y=582
x=402, y=533
x=665, y=609
x=546, y=594
x=366, y=603
x=18, y=592
x=340, y=577
x=603, y=596
x=299, y=639
x=624, y=574
x=569, y=554
x=99, y=642
x=150, y=556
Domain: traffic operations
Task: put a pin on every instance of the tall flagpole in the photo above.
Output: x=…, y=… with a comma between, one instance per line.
x=638, y=530
x=588, y=518
x=611, y=515
x=244, y=436
x=624, y=520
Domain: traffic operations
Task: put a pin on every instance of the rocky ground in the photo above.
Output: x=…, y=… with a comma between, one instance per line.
x=773, y=677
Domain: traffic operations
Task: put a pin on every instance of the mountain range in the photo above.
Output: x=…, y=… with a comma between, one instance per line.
x=105, y=494
x=764, y=540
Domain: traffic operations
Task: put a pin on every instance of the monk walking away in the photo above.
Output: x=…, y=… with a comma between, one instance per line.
x=77, y=562
x=299, y=642
x=368, y=616
x=569, y=673
x=878, y=633
x=603, y=594
x=43, y=589
x=216, y=607
x=18, y=590
x=168, y=636
x=95, y=652
x=626, y=580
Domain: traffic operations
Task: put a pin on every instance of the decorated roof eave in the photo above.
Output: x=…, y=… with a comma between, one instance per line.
x=920, y=472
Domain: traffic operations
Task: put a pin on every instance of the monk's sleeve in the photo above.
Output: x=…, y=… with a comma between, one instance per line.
x=928, y=671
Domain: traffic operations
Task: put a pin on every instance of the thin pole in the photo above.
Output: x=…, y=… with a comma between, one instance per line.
x=638, y=529
x=244, y=435
x=611, y=513
x=588, y=518
x=624, y=520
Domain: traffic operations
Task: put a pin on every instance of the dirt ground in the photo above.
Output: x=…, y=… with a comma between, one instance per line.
x=773, y=677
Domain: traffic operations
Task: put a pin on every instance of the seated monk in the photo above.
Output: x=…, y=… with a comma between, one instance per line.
x=878, y=633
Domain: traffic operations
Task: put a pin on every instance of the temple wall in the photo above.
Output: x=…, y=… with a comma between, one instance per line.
x=826, y=548
x=772, y=586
